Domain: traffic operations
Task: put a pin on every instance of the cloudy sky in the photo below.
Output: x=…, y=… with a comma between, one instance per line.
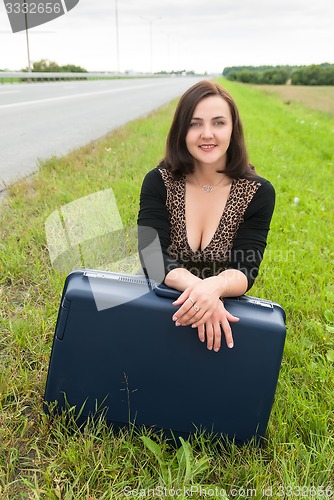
x=198, y=35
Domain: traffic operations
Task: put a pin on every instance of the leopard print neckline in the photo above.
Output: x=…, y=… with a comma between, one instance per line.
x=218, y=228
x=218, y=249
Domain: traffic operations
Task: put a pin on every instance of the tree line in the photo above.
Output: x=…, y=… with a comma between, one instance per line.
x=46, y=66
x=314, y=74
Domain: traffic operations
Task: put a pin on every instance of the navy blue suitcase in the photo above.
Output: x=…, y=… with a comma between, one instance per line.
x=117, y=351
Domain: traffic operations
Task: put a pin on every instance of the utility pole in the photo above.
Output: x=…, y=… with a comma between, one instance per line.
x=150, y=21
x=25, y=7
x=117, y=37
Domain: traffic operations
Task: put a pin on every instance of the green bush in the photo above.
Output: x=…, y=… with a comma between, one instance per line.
x=273, y=76
x=315, y=74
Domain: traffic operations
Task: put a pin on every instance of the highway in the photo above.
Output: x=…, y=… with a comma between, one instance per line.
x=39, y=120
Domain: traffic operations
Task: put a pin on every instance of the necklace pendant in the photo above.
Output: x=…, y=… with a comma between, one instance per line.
x=207, y=188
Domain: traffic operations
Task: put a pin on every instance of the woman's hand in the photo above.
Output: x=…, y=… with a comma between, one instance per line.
x=212, y=329
x=197, y=302
x=202, y=308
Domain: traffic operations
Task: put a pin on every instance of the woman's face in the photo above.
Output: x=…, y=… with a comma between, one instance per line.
x=210, y=130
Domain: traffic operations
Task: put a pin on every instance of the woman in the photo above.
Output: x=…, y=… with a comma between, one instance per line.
x=210, y=210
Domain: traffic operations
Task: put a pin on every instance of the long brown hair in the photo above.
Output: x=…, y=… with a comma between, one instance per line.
x=177, y=157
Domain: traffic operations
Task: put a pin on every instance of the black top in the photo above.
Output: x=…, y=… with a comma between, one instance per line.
x=238, y=243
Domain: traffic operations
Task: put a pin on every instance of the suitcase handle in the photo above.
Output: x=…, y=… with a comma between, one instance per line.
x=165, y=291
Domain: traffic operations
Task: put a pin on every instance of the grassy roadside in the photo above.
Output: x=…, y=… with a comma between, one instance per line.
x=313, y=97
x=39, y=459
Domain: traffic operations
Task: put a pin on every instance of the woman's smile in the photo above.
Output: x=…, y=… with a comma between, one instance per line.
x=207, y=147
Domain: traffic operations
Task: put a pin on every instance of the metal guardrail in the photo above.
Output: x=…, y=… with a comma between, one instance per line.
x=33, y=76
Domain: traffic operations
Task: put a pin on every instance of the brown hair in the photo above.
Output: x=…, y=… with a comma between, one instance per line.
x=177, y=157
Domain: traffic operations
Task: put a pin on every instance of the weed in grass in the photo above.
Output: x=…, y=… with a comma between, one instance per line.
x=51, y=458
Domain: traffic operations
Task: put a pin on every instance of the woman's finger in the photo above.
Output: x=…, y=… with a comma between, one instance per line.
x=182, y=298
x=186, y=313
x=201, y=320
x=230, y=317
x=217, y=337
x=201, y=333
x=228, y=333
x=209, y=336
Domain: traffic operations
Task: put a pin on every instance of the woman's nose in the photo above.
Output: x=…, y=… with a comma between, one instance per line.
x=207, y=131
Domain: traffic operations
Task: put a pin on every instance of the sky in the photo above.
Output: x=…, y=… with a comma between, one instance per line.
x=165, y=35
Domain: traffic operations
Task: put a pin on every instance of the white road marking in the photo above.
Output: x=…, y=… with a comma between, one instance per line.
x=9, y=92
x=85, y=94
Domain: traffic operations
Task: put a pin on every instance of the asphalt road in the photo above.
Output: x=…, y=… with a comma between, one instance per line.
x=44, y=119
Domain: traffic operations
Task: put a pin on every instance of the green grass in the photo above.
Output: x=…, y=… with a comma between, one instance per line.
x=9, y=80
x=291, y=146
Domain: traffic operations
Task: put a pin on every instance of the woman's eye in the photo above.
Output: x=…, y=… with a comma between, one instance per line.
x=219, y=123
x=194, y=124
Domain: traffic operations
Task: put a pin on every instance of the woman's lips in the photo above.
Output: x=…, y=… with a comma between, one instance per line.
x=207, y=147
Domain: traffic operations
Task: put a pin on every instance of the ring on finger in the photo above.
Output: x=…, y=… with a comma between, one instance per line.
x=196, y=307
x=191, y=300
